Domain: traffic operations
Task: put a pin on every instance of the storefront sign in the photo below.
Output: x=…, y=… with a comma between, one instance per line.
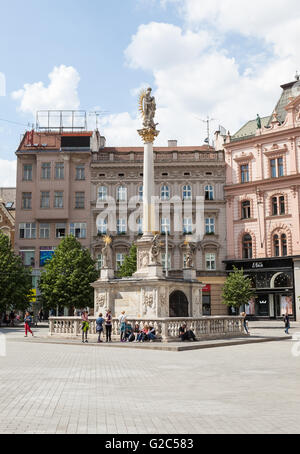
x=207, y=288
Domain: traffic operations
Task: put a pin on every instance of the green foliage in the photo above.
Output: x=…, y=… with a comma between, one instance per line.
x=130, y=263
x=15, y=279
x=66, y=279
x=238, y=289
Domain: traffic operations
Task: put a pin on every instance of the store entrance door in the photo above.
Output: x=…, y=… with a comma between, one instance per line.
x=262, y=305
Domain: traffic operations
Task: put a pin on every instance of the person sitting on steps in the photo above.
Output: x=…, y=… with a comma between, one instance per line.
x=186, y=334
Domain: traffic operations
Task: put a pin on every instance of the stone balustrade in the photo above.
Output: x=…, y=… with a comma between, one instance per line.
x=167, y=329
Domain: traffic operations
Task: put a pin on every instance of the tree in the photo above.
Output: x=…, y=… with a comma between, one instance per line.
x=66, y=279
x=238, y=289
x=15, y=279
x=129, y=266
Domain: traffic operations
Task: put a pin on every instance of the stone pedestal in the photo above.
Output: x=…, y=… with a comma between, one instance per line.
x=189, y=274
x=107, y=274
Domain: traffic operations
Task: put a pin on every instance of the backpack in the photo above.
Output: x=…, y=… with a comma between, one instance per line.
x=131, y=338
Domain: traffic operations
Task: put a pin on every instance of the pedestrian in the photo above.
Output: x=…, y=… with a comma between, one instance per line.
x=99, y=323
x=28, y=323
x=85, y=326
x=108, y=325
x=12, y=318
x=152, y=333
x=186, y=334
x=245, y=322
x=287, y=324
x=122, y=320
x=41, y=315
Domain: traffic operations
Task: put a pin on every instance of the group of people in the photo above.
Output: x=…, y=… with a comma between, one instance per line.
x=9, y=319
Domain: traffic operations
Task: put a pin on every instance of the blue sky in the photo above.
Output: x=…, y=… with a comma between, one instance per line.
x=199, y=57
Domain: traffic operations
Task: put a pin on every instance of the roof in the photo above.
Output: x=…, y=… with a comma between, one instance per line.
x=166, y=149
x=249, y=129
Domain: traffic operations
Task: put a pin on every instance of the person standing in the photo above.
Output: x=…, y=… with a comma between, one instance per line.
x=99, y=322
x=85, y=326
x=108, y=326
x=122, y=320
x=28, y=323
x=287, y=324
x=245, y=322
x=12, y=318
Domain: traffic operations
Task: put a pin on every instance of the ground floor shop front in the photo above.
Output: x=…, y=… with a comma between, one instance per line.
x=274, y=286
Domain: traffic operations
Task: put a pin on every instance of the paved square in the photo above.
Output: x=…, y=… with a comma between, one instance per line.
x=49, y=388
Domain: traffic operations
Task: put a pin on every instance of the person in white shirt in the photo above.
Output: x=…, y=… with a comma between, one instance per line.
x=122, y=320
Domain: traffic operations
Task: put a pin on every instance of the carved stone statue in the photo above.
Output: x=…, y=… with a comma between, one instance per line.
x=148, y=109
x=189, y=256
x=107, y=253
x=155, y=251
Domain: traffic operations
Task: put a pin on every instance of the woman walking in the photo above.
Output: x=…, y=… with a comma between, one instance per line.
x=245, y=322
x=28, y=322
x=287, y=324
x=108, y=326
x=85, y=326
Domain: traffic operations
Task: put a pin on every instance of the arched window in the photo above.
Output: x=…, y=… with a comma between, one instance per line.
x=141, y=193
x=187, y=192
x=165, y=193
x=209, y=192
x=102, y=193
x=280, y=245
x=247, y=246
x=122, y=194
x=246, y=209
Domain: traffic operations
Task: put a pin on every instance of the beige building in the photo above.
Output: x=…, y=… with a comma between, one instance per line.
x=7, y=212
x=182, y=176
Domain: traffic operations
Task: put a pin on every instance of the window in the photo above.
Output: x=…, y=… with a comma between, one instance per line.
x=165, y=226
x=45, y=200
x=247, y=246
x=102, y=227
x=209, y=193
x=246, y=209
x=80, y=200
x=210, y=226
x=27, y=172
x=46, y=171
x=80, y=172
x=102, y=193
x=187, y=226
x=187, y=192
x=28, y=257
x=164, y=260
x=99, y=261
x=44, y=231
x=278, y=206
x=58, y=200
x=280, y=245
x=78, y=230
x=27, y=230
x=140, y=226
x=26, y=200
x=244, y=169
x=277, y=169
x=141, y=193
x=59, y=171
x=60, y=230
x=122, y=194
x=165, y=193
x=120, y=257
x=121, y=226
x=210, y=260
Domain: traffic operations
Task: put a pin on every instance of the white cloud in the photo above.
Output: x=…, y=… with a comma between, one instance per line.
x=60, y=94
x=8, y=171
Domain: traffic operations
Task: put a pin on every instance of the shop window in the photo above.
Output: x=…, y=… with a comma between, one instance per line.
x=247, y=247
x=283, y=280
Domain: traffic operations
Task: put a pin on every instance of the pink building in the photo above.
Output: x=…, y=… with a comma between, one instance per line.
x=263, y=212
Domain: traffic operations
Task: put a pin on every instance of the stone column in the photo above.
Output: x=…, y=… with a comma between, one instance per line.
x=148, y=191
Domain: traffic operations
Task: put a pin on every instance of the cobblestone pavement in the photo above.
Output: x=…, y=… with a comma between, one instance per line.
x=50, y=388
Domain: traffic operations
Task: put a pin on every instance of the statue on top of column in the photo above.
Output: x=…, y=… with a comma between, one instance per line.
x=147, y=106
x=107, y=253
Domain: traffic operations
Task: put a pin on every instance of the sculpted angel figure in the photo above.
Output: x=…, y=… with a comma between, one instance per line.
x=148, y=108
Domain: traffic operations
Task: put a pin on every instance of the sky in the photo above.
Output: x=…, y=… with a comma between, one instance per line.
x=225, y=59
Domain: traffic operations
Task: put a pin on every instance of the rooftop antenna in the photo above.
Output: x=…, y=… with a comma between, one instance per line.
x=97, y=114
x=207, y=121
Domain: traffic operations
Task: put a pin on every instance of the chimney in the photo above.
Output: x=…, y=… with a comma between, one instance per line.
x=172, y=143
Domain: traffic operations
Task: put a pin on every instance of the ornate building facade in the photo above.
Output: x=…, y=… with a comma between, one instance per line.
x=263, y=205
x=7, y=212
x=182, y=175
